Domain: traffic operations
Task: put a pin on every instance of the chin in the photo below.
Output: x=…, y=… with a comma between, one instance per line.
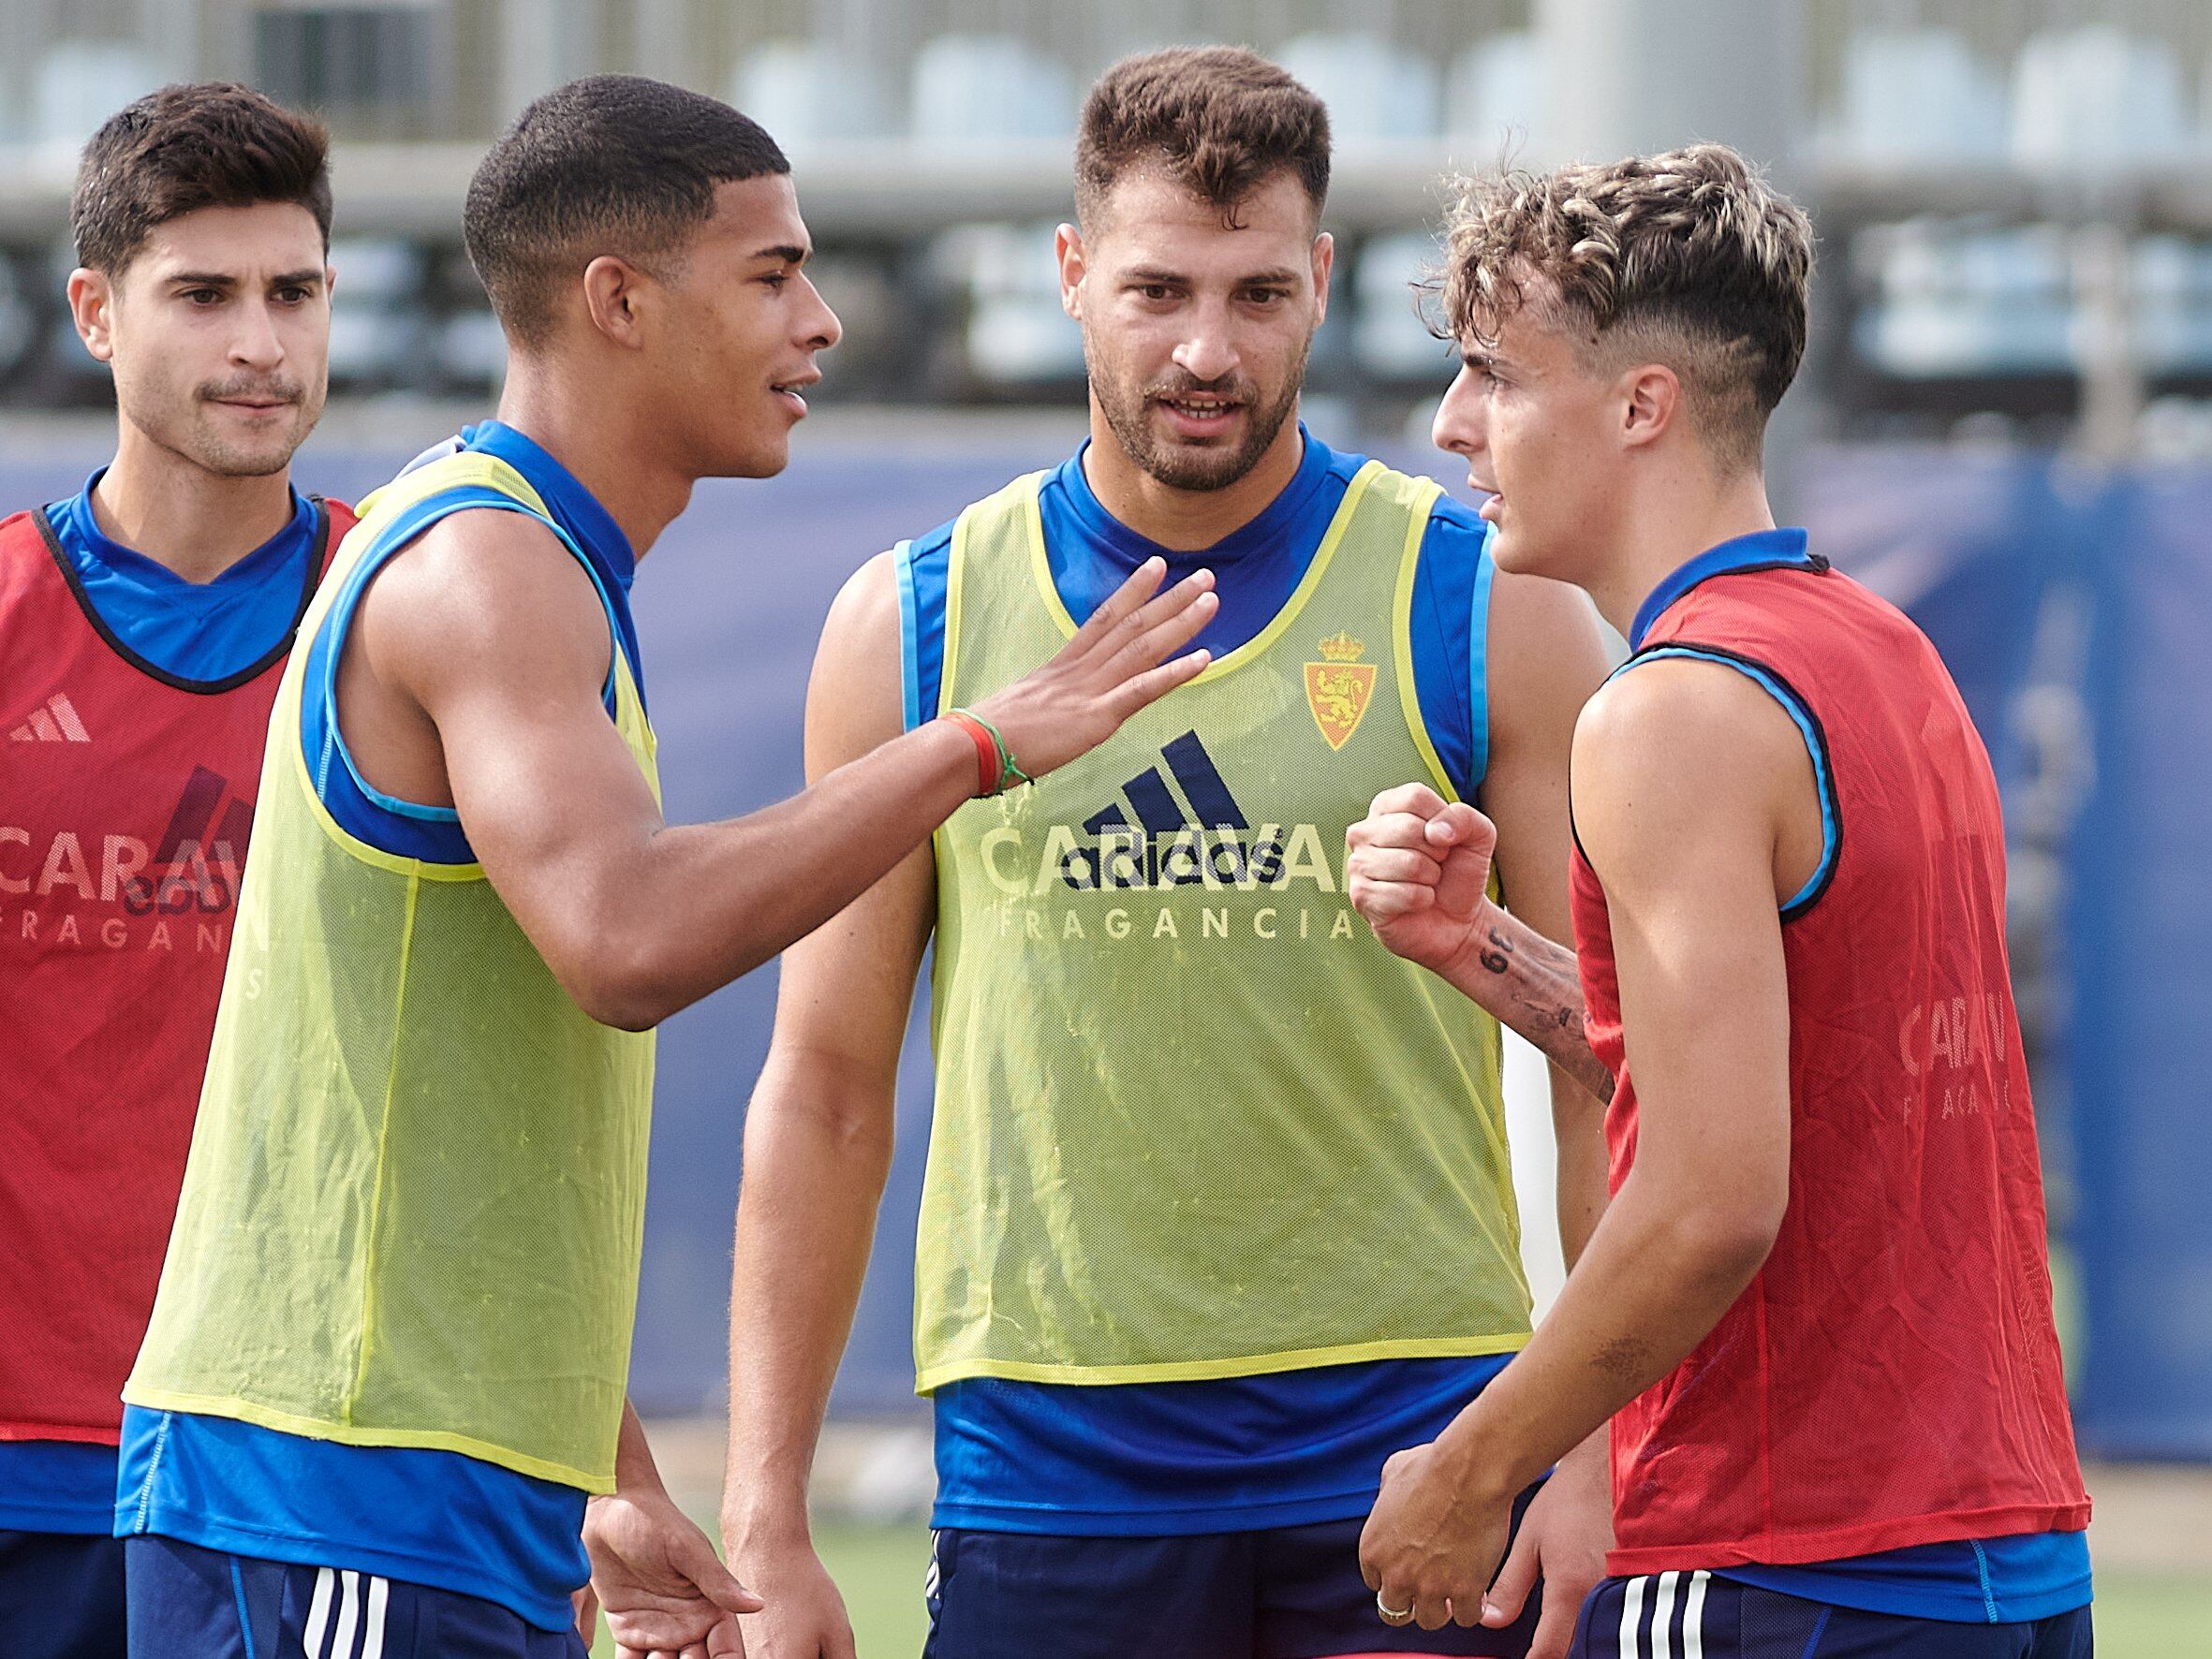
x=1518, y=555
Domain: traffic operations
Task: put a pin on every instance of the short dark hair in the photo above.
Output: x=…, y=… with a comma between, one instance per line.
x=1219, y=119
x=213, y=143
x=610, y=164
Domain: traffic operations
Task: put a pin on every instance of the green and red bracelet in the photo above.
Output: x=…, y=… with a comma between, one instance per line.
x=997, y=770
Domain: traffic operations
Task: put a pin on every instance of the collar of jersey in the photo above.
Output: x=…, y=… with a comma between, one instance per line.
x=1129, y=549
x=1762, y=549
x=79, y=528
x=577, y=507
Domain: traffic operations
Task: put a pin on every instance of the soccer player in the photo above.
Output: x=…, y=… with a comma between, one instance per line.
x=386, y=1364
x=142, y=622
x=1218, y=1212
x=1819, y=1300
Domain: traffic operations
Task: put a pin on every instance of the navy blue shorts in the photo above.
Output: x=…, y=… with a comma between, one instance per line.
x=61, y=1596
x=1291, y=1593
x=1699, y=1616
x=189, y=1603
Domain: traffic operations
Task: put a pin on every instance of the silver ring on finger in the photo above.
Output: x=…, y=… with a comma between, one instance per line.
x=1392, y=1615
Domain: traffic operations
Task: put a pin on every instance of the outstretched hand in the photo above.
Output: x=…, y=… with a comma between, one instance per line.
x=1417, y=868
x=661, y=1588
x=1118, y=663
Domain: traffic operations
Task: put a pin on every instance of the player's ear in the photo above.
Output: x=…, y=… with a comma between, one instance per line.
x=91, y=305
x=614, y=289
x=1652, y=403
x=1324, y=261
x=1068, y=251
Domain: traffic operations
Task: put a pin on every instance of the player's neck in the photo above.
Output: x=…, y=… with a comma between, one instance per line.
x=1184, y=520
x=193, y=522
x=1669, y=523
x=612, y=457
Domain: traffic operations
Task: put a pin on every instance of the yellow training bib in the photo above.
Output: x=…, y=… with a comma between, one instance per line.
x=415, y=1203
x=1192, y=1120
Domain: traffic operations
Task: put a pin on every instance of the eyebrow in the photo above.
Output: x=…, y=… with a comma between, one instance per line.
x=787, y=253
x=1151, y=273
x=210, y=279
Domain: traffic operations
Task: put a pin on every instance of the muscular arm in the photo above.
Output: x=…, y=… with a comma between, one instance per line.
x=473, y=676
x=1695, y=799
x=1544, y=659
x=819, y=1132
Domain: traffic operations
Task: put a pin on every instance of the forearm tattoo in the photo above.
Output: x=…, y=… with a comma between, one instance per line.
x=1530, y=984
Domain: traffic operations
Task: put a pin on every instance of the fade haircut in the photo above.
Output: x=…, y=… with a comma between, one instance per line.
x=1220, y=120
x=1687, y=259
x=611, y=164
x=173, y=151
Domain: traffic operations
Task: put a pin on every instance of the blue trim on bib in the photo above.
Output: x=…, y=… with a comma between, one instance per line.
x=1478, y=675
x=1808, y=728
x=902, y=560
x=411, y=828
x=1761, y=549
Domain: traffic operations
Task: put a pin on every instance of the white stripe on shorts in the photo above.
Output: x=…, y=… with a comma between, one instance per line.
x=348, y=1615
x=1631, y=1611
x=1694, y=1618
x=318, y=1613
x=372, y=1645
x=1662, y=1614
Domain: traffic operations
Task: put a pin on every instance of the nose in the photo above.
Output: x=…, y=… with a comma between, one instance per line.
x=1208, y=352
x=1461, y=426
x=821, y=328
x=254, y=342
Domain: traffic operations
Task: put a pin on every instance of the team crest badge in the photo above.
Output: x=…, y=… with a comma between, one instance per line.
x=1338, y=689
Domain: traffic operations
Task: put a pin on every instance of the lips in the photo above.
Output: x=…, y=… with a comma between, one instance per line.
x=789, y=390
x=1200, y=416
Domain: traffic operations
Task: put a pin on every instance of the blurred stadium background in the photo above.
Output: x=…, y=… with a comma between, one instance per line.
x=2005, y=423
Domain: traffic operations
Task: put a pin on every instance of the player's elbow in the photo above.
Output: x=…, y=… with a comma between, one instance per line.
x=1727, y=1237
x=617, y=982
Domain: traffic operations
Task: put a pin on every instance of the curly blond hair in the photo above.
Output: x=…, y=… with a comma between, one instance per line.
x=1689, y=259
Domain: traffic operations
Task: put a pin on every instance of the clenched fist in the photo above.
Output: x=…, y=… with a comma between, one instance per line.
x=1417, y=868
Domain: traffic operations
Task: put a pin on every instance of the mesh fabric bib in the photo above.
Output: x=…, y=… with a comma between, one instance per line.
x=1192, y=1120
x=414, y=1207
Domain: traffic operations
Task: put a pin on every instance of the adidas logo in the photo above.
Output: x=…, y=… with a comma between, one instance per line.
x=55, y=721
x=1189, y=832
x=1156, y=808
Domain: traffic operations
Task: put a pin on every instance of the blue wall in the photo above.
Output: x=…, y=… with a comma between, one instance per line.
x=730, y=603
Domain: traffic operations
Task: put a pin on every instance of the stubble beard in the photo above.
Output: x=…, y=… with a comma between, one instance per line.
x=1186, y=466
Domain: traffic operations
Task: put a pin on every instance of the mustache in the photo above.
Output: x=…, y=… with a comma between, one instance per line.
x=1234, y=388
x=279, y=390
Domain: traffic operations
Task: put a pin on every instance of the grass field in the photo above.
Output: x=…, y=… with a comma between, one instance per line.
x=879, y=1569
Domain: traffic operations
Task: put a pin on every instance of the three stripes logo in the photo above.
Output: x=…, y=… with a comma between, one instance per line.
x=1156, y=808
x=346, y=1616
x=195, y=865
x=54, y=721
x=1663, y=1616
x=1175, y=825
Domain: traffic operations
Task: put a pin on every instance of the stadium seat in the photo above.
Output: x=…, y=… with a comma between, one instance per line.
x=2098, y=94
x=377, y=332
x=1373, y=90
x=2173, y=317
x=990, y=86
x=1389, y=340
x=1016, y=334
x=1952, y=303
x=1918, y=93
x=1496, y=96
x=805, y=90
x=78, y=84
